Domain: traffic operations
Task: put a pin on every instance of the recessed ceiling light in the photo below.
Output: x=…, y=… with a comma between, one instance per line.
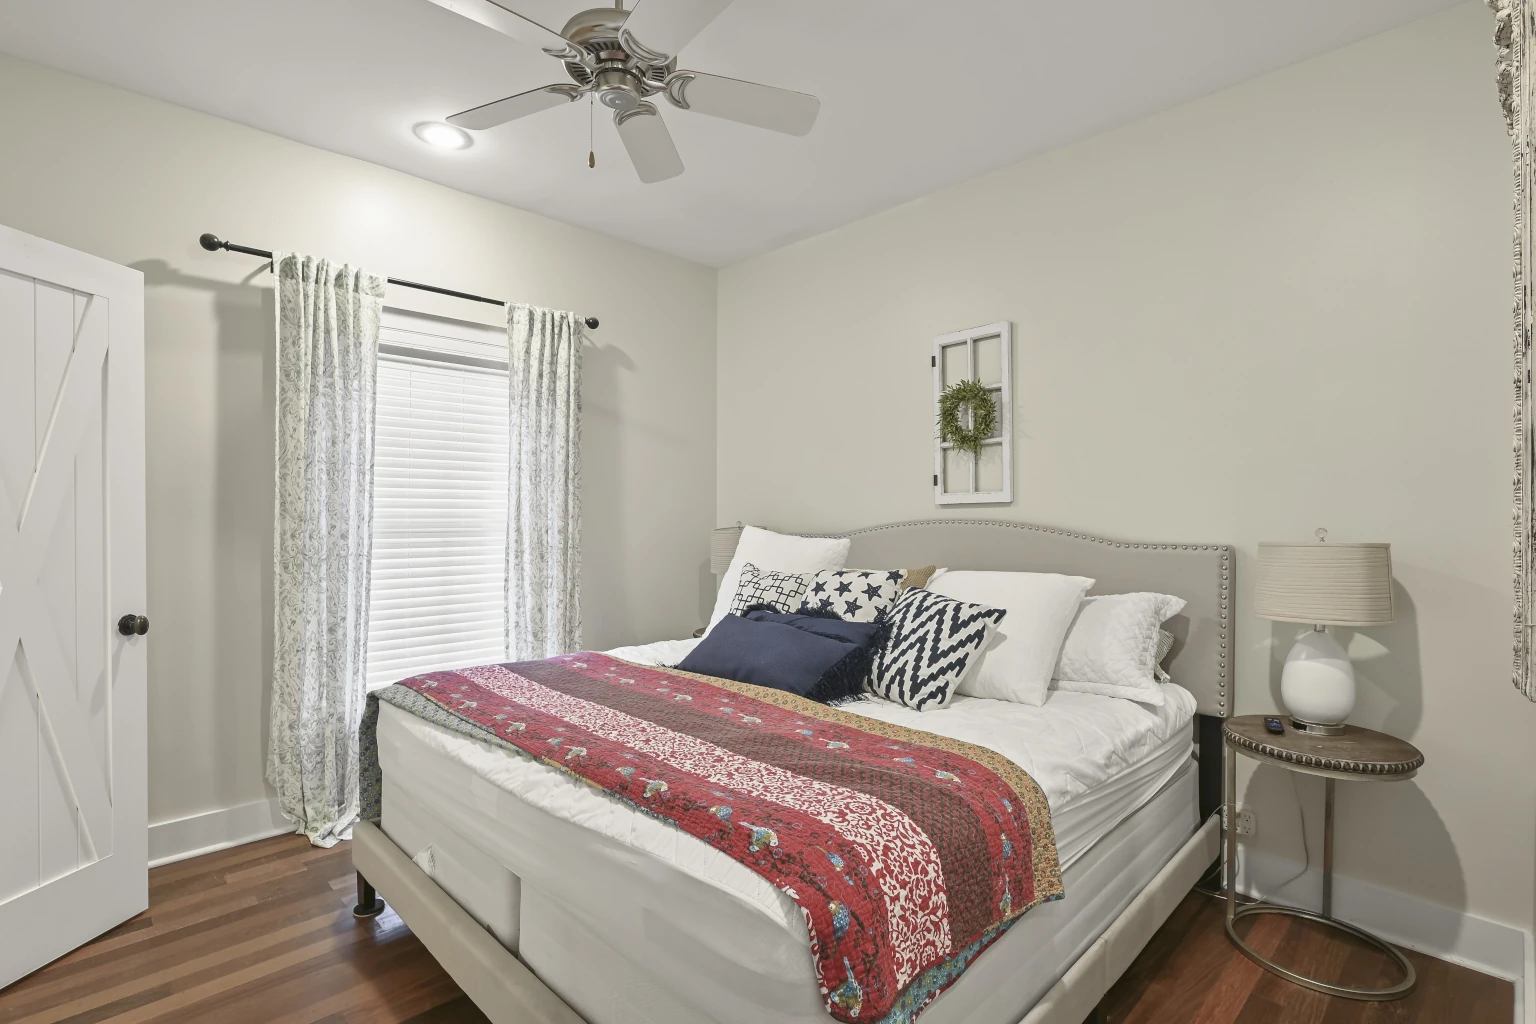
x=443, y=136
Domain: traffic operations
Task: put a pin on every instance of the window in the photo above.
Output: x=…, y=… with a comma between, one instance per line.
x=439, y=498
x=984, y=354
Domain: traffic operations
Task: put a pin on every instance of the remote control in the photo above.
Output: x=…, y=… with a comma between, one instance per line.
x=1274, y=725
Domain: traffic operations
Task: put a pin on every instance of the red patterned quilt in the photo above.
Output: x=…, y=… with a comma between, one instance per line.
x=908, y=853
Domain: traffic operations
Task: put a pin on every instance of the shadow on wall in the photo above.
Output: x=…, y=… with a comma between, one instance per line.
x=603, y=512
x=1388, y=676
x=1389, y=681
x=619, y=505
x=1418, y=829
x=233, y=607
x=709, y=591
x=1390, y=698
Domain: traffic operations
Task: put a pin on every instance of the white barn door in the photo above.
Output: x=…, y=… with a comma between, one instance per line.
x=73, y=835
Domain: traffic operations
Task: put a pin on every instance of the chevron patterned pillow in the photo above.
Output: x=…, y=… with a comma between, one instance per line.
x=933, y=641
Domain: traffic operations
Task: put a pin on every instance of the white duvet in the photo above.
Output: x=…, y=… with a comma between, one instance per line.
x=611, y=896
x=1096, y=758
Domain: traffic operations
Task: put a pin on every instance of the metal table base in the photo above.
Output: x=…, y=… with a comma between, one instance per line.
x=1234, y=913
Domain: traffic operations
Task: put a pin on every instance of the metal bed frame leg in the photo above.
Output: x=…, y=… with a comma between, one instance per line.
x=1229, y=823
x=368, y=902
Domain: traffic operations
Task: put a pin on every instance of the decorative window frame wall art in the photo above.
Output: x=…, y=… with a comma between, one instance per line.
x=986, y=354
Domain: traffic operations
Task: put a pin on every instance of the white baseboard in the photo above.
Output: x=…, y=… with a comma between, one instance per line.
x=1525, y=1006
x=1491, y=947
x=170, y=841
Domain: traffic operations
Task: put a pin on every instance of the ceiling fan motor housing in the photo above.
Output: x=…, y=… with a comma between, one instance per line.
x=619, y=79
x=617, y=88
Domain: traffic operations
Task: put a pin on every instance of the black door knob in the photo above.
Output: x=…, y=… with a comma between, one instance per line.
x=133, y=625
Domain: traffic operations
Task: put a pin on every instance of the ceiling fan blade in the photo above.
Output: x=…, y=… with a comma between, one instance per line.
x=510, y=23
x=779, y=110
x=501, y=111
x=661, y=28
x=648, y=143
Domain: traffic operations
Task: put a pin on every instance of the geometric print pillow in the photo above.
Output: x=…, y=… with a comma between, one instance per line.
x=781, y=590
x=860, y=595
x=933, y=640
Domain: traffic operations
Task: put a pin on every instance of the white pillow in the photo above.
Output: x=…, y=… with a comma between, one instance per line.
x=778, y=552
x=1040, y=605
x=1111, y=647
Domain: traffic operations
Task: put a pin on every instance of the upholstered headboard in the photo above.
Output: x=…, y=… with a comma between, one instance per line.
x=1202, y=574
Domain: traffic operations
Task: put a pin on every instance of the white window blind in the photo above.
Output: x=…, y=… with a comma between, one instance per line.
x=439, y=515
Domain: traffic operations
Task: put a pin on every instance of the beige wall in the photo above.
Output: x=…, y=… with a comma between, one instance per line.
x=136, y=181
x=1279, y=307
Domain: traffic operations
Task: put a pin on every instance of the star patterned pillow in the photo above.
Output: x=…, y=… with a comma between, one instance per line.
x=859, y=595
x=781, y=591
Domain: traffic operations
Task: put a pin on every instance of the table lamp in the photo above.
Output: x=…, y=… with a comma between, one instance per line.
x=1325, y=584
x=722, y=548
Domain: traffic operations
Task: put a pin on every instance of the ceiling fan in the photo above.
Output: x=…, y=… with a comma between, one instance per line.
x=625, y=57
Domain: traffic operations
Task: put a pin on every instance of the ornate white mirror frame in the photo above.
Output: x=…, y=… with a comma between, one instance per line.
x=1512, y=35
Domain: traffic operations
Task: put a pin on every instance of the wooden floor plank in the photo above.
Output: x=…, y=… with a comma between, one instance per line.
x=459, y=1011
x=264, y=934
x=213, y=969
x=167, y=950
x=245, y=855
x=258, y=933
x=1191, y=972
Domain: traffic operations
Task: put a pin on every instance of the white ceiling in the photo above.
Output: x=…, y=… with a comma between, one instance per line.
x=915, y=94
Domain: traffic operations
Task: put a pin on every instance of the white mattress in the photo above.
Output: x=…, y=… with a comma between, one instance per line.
x=1096, y=758
x=607, y=986
x=593, y=874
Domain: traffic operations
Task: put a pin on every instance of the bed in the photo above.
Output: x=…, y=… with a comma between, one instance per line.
x=548, y=901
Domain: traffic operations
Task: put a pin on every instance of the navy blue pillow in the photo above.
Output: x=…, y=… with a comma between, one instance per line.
x=823, y=659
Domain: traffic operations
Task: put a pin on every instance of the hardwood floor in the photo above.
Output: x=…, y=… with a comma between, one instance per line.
x=1191, y=973
x=265, y=933
x=258, y=933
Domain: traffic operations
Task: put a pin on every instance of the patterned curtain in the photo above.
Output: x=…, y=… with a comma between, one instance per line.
x=544, y=486
x=1512, y=35
x=327, y=347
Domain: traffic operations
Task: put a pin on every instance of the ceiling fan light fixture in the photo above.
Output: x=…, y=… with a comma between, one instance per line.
x=443, y=136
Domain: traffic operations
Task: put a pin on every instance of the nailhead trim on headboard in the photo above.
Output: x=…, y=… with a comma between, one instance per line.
x=1224, y=661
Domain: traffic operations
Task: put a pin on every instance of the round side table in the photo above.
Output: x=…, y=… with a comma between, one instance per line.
x=1359, y=755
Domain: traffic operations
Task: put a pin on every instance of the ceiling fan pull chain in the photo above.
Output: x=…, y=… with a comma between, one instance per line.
x=591, y=144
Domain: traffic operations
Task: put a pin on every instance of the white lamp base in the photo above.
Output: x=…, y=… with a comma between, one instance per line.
x=1318, y=684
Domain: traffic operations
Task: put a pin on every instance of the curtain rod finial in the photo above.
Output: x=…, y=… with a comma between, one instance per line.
x=210, y=241
x=591, y=323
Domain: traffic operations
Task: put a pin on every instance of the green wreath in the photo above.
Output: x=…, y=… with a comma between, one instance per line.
x=972, y=395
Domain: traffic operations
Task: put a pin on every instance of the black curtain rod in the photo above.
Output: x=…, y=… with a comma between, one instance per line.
x=213, y=243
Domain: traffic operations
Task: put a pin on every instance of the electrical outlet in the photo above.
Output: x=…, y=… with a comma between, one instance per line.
x=1247, y=824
